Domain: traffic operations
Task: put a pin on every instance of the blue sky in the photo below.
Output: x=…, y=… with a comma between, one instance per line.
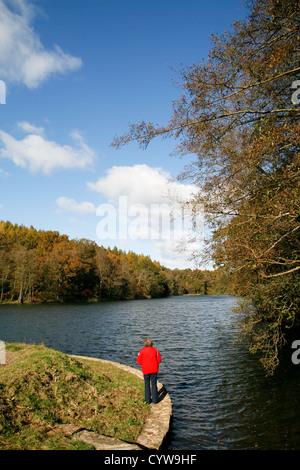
x=76, y=73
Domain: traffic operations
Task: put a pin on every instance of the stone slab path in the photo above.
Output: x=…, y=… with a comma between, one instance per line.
x=156, y=426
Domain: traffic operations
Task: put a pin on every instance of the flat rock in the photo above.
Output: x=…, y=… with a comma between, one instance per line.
x=100, y=442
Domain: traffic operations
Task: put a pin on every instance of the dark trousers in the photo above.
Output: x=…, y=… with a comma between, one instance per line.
x=151, y=378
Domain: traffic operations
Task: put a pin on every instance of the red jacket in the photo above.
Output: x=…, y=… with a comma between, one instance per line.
x=149, y=358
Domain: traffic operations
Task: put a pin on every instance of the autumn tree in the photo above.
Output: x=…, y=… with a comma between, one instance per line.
x=44, y=266
x=5, y=269
x=24, y=273
x=238, y=115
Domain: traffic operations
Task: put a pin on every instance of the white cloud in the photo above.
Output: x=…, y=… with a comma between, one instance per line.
x=30, y=128
x=146, y=205
x=23, y=58
x=70, y=205
x=38, y=154
x=145, y=212
x=141, y=184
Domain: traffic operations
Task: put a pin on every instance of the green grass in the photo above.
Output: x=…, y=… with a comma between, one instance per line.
x=42, y=389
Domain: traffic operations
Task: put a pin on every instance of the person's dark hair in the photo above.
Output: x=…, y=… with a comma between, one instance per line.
x=147, y=342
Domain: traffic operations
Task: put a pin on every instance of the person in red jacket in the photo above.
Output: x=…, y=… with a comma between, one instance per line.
x=149, y=358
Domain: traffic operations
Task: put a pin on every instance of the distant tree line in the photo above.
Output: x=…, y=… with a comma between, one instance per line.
x=44, y=266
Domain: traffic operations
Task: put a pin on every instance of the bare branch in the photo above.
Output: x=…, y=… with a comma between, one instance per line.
x=281, y=274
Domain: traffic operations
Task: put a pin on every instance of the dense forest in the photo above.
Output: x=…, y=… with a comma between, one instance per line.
x=44, y=266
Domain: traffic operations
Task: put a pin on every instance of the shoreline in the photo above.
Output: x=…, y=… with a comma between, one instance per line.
x=100, y=301
x=157, y=425
x=54, y=373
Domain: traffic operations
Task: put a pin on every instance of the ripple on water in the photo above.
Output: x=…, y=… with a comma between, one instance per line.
x=221, y=399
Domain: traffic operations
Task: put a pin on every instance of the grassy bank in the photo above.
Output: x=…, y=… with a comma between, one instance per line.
x=43, y=392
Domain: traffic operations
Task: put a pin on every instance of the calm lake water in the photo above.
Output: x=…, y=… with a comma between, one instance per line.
x=221, y=397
